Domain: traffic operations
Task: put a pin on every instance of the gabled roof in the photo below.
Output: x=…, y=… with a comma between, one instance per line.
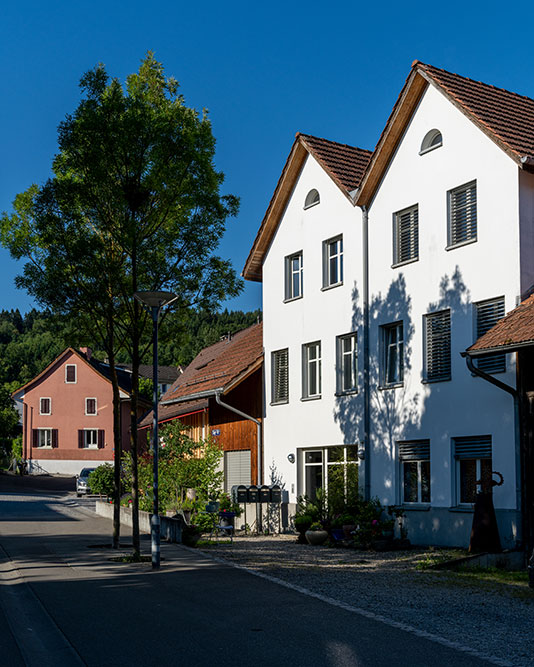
x=505, y=117
x=219, y=367
x=99, y=367
x=166, y=374
x=344, y=164
x=513, y=331
x=174, y=411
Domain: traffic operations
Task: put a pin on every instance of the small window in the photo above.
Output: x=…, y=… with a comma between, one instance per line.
x=347, y=363
x=90, y=406
x=406, y=236
x=414, y=459
x=91, y=438
x=473, y=464
x=45, y=406
x=293, y=276
x=462, y=214
x=333, y=262
x=312, y=199
x=44, y=437
x=432, y=140
x=311, y=372
x=70, y=373
x=437, y=358
x=487, y=314
x=392, y=356
x=280, y=376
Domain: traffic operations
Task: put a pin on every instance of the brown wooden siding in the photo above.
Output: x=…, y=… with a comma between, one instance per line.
x=194, y=424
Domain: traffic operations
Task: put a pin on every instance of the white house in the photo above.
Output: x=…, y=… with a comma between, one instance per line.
x=437, y=234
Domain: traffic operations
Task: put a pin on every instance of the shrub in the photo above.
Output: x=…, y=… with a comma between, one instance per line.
x=101, y=480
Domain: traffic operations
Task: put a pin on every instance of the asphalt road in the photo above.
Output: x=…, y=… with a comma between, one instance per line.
x=63, y=602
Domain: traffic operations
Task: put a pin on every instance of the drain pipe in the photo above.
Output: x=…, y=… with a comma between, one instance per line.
x=517, y=435
x=366, y=397
x=258, y=429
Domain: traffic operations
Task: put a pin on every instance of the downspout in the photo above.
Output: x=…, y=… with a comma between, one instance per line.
x=517, y=436
x=258, y=430
x=366, y=361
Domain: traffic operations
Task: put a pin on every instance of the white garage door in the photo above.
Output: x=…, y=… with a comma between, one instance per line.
x=236, y=468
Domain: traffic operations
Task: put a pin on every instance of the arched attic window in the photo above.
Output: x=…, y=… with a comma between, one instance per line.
x=432, y=139
x=312, y=198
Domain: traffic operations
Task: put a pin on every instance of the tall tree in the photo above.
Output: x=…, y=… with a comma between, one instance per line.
x=136, y=191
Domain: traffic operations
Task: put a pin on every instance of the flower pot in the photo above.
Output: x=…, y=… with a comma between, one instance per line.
x=316, y=537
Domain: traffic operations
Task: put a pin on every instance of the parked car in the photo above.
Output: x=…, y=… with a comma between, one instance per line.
x=82, y=482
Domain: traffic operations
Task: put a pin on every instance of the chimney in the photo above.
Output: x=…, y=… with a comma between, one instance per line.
x=87, y=352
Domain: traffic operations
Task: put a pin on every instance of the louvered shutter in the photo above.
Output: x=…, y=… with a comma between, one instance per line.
x=406, y=235
x=70, y=373
x=236, y=469
x=54, y=437
x=415, y=450
x=81, y=442
x=35, y=437
x=438, y=346
x=473, y=447
x=280, y=376
x=488, y=313
x=463, y=214
x=101, y=438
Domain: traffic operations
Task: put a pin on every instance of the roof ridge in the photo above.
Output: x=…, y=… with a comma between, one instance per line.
x=331, y=141
x=466, y=78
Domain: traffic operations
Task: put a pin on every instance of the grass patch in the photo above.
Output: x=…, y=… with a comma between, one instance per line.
x=513, y=577
x=203, y=544
x=439, y=555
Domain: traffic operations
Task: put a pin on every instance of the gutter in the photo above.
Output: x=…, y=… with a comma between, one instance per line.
x=252, y=419
x=366, y=361
x=193, y=397
x=520, y=501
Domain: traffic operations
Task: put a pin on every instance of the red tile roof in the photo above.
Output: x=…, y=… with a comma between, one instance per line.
x=514, y=330
x=220, y=366
x=507, y=115
x=174, y=410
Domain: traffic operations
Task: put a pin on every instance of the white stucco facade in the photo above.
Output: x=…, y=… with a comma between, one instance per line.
x=498, y=264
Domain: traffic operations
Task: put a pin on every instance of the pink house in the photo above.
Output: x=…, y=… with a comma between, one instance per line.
x=67, y=420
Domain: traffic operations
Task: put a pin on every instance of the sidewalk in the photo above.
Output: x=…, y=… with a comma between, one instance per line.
x=195, y=610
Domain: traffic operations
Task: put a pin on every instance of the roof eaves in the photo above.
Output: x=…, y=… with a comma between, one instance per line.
x=243, y=375
x=192, y=397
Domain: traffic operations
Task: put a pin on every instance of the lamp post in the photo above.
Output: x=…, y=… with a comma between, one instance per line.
x=155, y=301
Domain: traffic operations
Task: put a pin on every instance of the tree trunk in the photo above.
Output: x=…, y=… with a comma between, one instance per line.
x=133, y=414
x=117, y=449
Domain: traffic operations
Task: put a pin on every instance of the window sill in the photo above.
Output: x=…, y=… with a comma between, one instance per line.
x=385, y=387
x=430, y=148
x=466, y=509
x=311, y=398
x=279, y=402
x=293, y=298
x=325, y=288
x=407, y=261
x=460, y=245
x=43, y=447
x=416, y=507
x=91, y=414
x=349, y=392
x=449, y=379
x=45, y=414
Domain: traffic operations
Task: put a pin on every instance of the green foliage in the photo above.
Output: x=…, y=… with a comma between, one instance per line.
x=16, y=447
x=183, y=464
x=101, y=480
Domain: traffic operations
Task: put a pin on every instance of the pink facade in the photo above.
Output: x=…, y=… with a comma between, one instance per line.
x=68, y=417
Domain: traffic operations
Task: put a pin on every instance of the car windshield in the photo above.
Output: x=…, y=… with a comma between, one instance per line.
x=86, y=472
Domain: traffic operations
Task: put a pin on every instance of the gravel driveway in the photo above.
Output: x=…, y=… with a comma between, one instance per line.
x=493, y=618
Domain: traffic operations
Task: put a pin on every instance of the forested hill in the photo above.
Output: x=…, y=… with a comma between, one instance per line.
x=29, y=343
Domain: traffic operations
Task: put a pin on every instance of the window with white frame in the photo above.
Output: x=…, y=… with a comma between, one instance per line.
x=70, y=373
x=91, y=438
x=280, y=376
x=347, y=363
x=414, y=461
x=90, y=406
x=392, y=357
x=45, y=406
x=437, y=348
x=462, y=227
x=294, y=276
x=406, y=235
x=487, y=314
x=333, y=262
x=473, y=466
x=312, y=198
x=334, y=469
x=44, y=437
x=311, y=370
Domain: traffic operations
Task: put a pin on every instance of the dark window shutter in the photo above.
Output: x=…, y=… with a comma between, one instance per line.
x=35, y=438
x=91, y=406
x=101, y=438
x=71, y=373
x=54, y=437
x=80, y=439
x=415, y=450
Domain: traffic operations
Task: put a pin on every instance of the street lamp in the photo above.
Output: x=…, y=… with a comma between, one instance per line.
x=155, y=301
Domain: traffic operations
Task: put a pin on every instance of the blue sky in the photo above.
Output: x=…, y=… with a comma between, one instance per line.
x=264, y=72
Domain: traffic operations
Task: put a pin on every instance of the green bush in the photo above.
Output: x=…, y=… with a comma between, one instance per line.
x=101, y=480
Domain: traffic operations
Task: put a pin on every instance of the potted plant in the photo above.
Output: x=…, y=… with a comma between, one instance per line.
x=302, y=523
x=316, y=534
